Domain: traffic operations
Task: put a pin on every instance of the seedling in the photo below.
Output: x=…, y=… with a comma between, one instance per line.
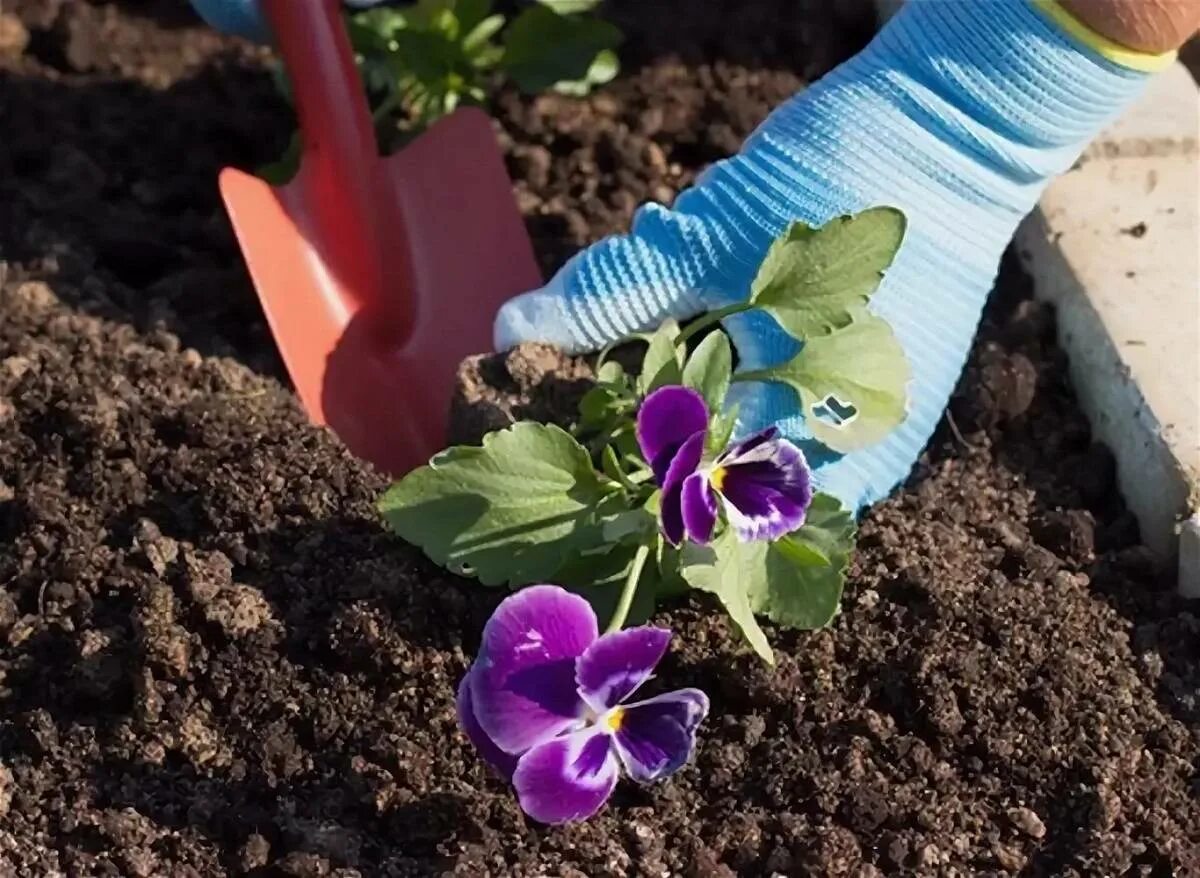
x=655, y=491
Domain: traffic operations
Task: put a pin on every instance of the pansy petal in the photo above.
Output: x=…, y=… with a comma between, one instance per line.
x=747, y=446
x=671, y=506
x=503, y=762
x=655, y=737
x=699, y=505
x=756, y=514
x=617, y=664
x=667, y=418
x=523, y=682
x=767, y=490
x=569, y=778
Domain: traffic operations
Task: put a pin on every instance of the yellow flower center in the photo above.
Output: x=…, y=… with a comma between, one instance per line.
x=613, y=720
x=717, y=478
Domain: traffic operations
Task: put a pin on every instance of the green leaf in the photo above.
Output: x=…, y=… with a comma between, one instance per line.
x=667, y=558
x=510, y=512
x=814, y=281
x=473, y=13
x=610, y=400
x=852, y=384
x=371, y=29
x=604, y=69
x=611, y=372
x=477, y=37
x=724, y=568
x=802, y=552
x=789, y=584
x=627, y=445
x=571, y=7
x=720, y=431
x=828, y=529
x=663, y=363
x=796, y=582
x=629, y=525
x=597, y=405
x=612, y=466
x=599, y=578
x=709, y=368
x=543, y=47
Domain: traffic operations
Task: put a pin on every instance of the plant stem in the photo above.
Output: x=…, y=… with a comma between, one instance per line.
x=627, y=593
x=710, y=318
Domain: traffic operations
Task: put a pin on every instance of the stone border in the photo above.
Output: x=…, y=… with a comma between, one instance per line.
x=1115, y=246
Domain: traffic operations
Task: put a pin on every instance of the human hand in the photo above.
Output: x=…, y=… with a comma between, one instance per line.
x=958, y=114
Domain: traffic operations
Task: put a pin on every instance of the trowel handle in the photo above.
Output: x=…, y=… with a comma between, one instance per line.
x=340, y=155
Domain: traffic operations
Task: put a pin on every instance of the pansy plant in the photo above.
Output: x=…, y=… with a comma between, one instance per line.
x=654, y=492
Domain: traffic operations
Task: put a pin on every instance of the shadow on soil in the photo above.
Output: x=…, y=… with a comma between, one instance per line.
x=202, y=752
x=108, y=192
x=336, y=822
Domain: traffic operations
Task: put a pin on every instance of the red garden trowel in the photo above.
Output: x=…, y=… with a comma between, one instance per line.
x=378, y=275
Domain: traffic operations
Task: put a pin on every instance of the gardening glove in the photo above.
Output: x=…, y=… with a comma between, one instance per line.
x=957, y=113
x=244, y=19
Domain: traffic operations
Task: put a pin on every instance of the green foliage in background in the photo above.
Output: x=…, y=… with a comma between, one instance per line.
x=422, y=61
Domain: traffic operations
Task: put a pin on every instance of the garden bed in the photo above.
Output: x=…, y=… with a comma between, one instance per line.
x=213, y=660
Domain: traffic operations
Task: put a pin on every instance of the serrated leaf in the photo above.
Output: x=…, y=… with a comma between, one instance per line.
x=723, y=568
x=814, y=281
x=543, y=47
x=663, y=363
x=511, y=511
x=709, y=368
x=852, y=384
x=788, y=584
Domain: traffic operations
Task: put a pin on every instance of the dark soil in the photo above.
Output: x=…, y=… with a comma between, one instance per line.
x=214, y=661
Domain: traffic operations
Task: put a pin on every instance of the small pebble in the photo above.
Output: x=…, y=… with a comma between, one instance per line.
x=1028, y=822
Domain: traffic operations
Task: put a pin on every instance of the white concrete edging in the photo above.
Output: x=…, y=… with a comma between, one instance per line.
x=1115, y=246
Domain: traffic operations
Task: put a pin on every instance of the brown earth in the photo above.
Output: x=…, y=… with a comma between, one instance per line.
x=214, y=661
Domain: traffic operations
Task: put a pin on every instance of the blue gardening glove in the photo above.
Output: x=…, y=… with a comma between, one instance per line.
x=239, y=17
x=244, y=19
x=958, y=113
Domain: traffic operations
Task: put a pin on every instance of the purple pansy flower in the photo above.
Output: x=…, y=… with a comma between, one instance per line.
x=544, y=704
x=763, y=482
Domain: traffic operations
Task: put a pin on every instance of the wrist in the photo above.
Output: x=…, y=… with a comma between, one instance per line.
x=1151, y=27
x=1114, y=30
